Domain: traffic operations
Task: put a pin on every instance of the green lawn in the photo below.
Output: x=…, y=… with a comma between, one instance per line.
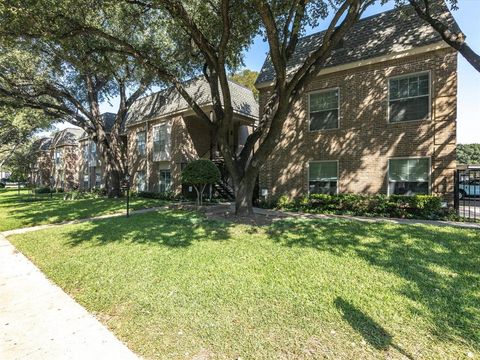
x=173, y=285
x=22, y=210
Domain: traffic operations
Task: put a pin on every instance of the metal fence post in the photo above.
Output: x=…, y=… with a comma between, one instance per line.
x=456, y=202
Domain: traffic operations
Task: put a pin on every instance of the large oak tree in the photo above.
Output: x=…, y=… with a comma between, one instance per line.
x=217, y=29
x=44, y=66
x=429, y=11
x=211, y=36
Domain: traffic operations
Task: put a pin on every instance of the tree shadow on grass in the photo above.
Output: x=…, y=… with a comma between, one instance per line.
x=29, y=212
x=441, y=265
x=372, y=332
x=168, y=228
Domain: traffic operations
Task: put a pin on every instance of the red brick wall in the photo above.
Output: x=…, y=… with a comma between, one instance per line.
x=190, y=139
x=365, y=139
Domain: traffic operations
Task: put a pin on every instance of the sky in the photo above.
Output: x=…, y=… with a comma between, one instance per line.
x=468, y=106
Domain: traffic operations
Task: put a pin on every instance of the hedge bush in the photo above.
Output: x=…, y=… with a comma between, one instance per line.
x=418, y=206
x=43, y=190
x=169, y=195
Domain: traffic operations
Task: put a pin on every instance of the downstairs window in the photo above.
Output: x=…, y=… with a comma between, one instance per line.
x=323, y=177
x=408, y=176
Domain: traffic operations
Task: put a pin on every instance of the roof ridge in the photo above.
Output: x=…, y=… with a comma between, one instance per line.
x=241, y=85
x=395, y=9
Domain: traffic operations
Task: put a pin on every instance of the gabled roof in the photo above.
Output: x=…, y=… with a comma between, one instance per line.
x=66, y=137
x=109, y=120
x=169, y=101
x=42, y=144
x=389, y=32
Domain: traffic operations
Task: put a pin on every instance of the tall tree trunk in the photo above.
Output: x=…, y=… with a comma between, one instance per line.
x=114, y=188
x=244, y=193
x=114, y=171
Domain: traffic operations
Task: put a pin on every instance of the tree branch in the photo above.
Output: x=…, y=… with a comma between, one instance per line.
x=455, y=40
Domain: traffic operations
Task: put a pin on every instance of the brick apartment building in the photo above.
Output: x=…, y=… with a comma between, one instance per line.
x=380, y=118
x=64, y=155
x=164, y=134
x=69, y=160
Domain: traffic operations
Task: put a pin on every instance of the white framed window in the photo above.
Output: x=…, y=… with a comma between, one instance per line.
x=140, y=181
x=98, y=177
x=86, y=179
x=164, y=181
x=409, y=97
x=93, y=153
x=58, y=157
x=323, y=109
x=141, y=141
x=323, y=177
x=85, y=152
x=161, y=142
x=409, y=176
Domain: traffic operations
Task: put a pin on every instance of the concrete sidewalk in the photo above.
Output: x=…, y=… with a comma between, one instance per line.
x=79, y=221
x=40, y=321
x=277, y=214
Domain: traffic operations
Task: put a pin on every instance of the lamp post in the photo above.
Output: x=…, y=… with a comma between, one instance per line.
x=51, y=187
x=127, y=180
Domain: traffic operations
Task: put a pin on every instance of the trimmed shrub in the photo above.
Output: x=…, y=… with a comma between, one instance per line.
x=74, y=195
x=418, y=206
x=43, y=190
x=2, y=185
x=199, y=174
x=98, y=192
x=169, y=195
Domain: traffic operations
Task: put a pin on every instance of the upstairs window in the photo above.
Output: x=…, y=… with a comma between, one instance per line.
x=85, y=152
x=161, y=142
x=323, y=177
x=323, y=110
x=93, y=153
x=58, y=157
x=409, y=98
x=141, y=140
x=408, y=176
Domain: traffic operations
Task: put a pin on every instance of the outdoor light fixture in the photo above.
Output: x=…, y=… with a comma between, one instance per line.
x=127, y=181
x=51, y=186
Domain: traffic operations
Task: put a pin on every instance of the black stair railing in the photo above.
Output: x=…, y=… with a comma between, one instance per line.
x=223, y=187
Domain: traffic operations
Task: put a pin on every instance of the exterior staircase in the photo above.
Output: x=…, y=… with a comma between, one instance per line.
x=223, y=188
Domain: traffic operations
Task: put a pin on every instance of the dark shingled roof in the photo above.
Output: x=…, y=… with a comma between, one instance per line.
x=66, y=137
x=42, y=144
x=169, y=101
x=108, y=118
x=392, y=31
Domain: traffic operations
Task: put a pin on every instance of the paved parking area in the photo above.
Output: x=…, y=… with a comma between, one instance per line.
x=40, y=321
x=470, y=208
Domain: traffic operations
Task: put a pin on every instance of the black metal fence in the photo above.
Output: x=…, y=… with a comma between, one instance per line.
x=467, y=194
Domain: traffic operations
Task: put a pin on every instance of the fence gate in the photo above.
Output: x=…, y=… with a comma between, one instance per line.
x=467, y=194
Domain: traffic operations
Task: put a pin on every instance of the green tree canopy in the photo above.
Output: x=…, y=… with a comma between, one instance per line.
x=17, y=127
x=468, y=153
x=247, y=78
x=200, y=172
